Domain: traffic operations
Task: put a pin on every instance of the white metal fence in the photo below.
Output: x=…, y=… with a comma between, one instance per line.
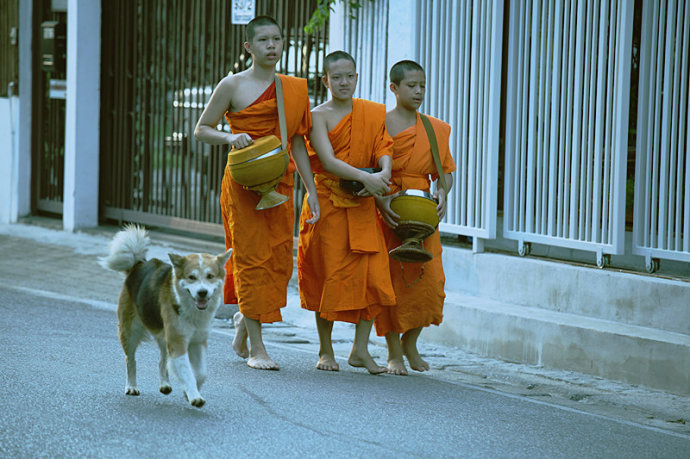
x=662, y=168
x=566, y=96
x=567, y=104
x=366, y=40
x=459, y=45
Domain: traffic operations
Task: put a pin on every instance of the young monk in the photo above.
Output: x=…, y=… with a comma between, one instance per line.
x=420, y=304
x=261, y=264
x=342, y=262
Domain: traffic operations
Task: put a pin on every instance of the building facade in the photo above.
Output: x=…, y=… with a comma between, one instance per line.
x=569, y=129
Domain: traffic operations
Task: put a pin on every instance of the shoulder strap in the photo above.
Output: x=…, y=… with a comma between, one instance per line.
x=434, y=151
x=281, y=112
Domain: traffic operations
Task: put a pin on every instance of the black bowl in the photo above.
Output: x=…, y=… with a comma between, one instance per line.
x=355, y=186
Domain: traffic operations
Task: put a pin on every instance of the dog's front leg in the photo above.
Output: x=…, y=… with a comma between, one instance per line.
x=197, y=357
x=181, y=368
x=164, y=383
x=131, y=386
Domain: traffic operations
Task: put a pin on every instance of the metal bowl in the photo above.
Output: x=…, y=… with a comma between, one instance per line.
x=420, y=193
x=355, y=186
x=264, y=161
x=416, y=206
x=261, y=147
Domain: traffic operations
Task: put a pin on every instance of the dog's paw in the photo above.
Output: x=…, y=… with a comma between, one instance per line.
x=197, y=402
x=131, y=391
x=165, y=389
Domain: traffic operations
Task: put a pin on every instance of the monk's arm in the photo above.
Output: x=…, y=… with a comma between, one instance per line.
x=301, y=157
x=322, y=145
x=386, y=165
x=206, y=128
x=389, y=217
x=378, y=184
x=441, y=196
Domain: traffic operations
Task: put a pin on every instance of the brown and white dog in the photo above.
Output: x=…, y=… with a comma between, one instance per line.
x=174, y=303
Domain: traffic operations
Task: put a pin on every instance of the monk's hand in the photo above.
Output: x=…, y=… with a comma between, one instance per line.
x=240, y=140
x=314, y=207
x=440, y=196
x=383, y=203
x=375, y=184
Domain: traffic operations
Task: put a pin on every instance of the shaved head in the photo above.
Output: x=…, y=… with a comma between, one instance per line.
x=397, y=73
x=336, y=56
x=258, y=22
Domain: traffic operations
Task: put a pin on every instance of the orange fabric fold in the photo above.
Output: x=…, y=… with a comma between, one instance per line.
x=342, y=261
x=419, y=304
x=261, y=264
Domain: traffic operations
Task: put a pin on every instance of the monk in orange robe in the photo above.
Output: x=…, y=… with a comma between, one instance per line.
x=342, y=261
x=261, y=264
x=419, y=299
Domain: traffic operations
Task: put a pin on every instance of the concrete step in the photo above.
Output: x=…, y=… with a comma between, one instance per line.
x=607, y=294
x=560, y=340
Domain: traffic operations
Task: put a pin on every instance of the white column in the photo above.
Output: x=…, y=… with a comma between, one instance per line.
x=20, y=192
x=82, y=110
x=9, y=114
x=336, y=28
x=403, y=22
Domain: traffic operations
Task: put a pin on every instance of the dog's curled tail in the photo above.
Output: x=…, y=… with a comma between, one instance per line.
x=127, y=248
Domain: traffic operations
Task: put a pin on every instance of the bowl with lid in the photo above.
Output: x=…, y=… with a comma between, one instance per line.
x=260, y=167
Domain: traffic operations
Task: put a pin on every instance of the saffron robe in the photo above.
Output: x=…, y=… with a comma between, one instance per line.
x=419, y=304
x=261, y=264
x=342, y=262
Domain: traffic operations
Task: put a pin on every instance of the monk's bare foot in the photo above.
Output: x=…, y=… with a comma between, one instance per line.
x=262, y=362
x=239, y=342
x=397, y=367
x=364, y=360
x=413, y=357
x=328, y=363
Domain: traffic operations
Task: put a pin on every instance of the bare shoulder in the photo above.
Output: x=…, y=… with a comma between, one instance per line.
x=321, y=110
x=226, y=89
x=231, y=82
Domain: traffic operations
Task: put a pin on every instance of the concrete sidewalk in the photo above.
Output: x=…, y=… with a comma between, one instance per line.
x=42, y=259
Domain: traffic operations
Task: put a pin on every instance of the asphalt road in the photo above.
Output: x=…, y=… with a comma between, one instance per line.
x=63, y=396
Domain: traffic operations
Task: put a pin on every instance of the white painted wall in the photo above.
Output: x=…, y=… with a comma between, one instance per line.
x=9, y=116
x=82, y=112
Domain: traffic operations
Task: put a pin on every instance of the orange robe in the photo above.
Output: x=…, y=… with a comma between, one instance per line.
x=419, y=304
x=260, y=267
x=342, y=262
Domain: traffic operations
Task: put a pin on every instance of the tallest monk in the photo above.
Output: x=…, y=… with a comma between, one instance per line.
x=261, y=264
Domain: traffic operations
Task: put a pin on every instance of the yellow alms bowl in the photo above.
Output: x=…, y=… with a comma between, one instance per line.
x=260, y=147
x=264, y=169
x=416, y=206
x=261, y=162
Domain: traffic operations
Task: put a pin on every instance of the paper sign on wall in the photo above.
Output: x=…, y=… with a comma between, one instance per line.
x=243, y=11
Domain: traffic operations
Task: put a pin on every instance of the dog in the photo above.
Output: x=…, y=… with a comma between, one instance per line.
x=175, y=303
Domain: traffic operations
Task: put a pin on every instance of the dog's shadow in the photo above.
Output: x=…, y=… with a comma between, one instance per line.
x=154, y=407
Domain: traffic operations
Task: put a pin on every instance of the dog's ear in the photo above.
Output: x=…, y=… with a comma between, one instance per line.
x=176, y=260
x=223, y=258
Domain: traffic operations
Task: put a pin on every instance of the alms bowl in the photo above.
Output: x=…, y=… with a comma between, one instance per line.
x=355, y=186
x=262, y=162
x=416, y=206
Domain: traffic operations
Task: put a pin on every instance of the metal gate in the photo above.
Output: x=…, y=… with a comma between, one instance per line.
x=568, y=92
x=9, y=47
x=464, y=79
x=662, y=180
x=48, y=118
x=160, y=62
